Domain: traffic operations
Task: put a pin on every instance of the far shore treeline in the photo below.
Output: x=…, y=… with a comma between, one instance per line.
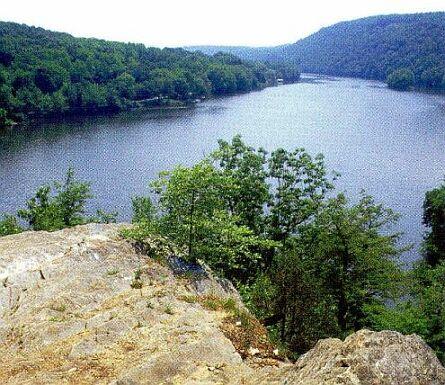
x=309, y=262
x=49, y=73
x=404, y=50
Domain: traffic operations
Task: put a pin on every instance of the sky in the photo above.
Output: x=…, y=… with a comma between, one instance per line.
x=174, y=23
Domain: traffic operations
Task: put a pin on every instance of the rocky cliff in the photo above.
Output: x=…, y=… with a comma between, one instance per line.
x=83, y=306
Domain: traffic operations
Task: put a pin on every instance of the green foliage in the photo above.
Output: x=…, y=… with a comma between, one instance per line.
x=429, y=292
x=423, y=312
x=244, y=166
x=374, y=47
x=104, y=217
x=143, y=210
x=434, y=219
x=53, y=208
x=401, y=79
x=355, y=256
x=223, y=80
x=49, y=79
x=194, y=206
x=4, y=121
x=44, y=73
x=324, y=280
x=301, y=185
x=406, y=318
x=188, y=197
x=370, y=48
x=9, y=225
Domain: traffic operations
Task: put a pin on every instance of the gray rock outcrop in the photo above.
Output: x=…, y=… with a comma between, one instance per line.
x=71, y=313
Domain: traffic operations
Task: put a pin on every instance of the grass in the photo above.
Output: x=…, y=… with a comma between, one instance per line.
x=216, y=303
x=112, y=272
x=169, y=309
x=189, y=298
x=136, y=283
x=60, y=308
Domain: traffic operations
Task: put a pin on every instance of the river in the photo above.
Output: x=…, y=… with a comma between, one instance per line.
x=389, y=143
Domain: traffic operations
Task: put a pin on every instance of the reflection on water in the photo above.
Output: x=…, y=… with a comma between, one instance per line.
x=389, y=143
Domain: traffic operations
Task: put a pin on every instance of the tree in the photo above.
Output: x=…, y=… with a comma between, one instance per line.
x=222, y=79
x=125, y=85
x=71, y=197
x=64, y=208
x=401, y=79
x=434, y=219
x=45, y=72
x=195, y=214
x=245, y=166
x=187, y=197
x=4, y=120
x=301, y=305
x=356, y=259
x=420, y=311
x=329, y=274
x=143, y=210
x=300, y=184
x=9, y=225
x=49, y=78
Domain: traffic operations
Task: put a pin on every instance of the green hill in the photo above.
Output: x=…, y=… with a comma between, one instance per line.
x=44, y=72
x=371, y=48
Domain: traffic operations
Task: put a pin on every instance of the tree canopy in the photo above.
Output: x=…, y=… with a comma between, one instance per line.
x=44, y=73
x=370, y=48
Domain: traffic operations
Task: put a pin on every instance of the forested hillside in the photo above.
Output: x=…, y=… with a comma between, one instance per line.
x=371, y=48
x=44, y=72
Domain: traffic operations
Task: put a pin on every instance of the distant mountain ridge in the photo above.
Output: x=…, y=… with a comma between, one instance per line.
x=371, y=48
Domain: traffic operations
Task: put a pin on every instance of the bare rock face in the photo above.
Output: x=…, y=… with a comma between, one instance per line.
x=82, y=306
x=366, y=358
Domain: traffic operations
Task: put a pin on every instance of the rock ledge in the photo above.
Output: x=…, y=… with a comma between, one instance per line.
x=70, y=313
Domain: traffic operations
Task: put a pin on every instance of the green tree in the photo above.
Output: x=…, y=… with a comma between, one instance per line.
x=65, y=207
x=222, y=79
x=195, y=214
x=4, y=120
x=356, y=259
x=302, y=310
x=71, y=197
x=49, y=78
x=125, y=86
x=301, y=183
x=9, y=225
x=401, y=79
x=420, y=311
x=188, y=197
x=143, y=210
x=434, y=219
x=342, y=263
x=245, y=166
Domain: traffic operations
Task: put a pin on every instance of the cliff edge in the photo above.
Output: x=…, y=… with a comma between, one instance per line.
x=83, y=306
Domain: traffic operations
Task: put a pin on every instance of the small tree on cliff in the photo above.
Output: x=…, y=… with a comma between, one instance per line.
x=58, y=206
x=194, y=210
x=434, y=219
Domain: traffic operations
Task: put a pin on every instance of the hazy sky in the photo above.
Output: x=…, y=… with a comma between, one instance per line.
x=191, y=22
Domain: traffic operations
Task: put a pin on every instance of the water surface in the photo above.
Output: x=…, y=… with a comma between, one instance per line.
x=389, y=143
